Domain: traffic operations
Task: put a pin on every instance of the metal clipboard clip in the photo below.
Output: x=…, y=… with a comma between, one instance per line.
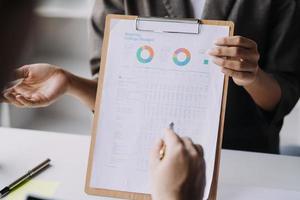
x=167, y=25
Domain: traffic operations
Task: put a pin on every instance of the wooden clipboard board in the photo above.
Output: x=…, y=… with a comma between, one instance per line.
x=141, y=196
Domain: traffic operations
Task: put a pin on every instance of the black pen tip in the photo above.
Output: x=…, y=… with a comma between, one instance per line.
x=4, y=192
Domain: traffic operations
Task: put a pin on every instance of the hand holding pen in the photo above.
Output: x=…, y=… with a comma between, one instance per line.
x=177, y=163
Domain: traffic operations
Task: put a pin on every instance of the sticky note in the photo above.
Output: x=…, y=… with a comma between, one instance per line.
x=34, y=187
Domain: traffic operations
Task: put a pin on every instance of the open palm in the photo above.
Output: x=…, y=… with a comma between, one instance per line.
x=38, y=85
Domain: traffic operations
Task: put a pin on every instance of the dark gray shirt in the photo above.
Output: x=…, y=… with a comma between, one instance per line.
x=273, y=24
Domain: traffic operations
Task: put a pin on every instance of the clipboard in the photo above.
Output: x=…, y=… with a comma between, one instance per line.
x=192, y=26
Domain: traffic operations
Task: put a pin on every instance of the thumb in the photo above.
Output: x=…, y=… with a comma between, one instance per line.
x=21, y=72
x=155, y=153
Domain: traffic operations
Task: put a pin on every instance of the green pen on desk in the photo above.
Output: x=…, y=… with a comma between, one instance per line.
x=5, y=191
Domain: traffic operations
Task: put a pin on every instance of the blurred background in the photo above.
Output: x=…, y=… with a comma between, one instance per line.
x=60, y=37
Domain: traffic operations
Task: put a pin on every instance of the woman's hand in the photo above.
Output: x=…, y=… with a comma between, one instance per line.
x=37, y=85
x=181, y=172
x=238, y=57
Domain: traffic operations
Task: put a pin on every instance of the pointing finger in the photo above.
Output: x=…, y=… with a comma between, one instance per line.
x=236, y=41
x=171, y=138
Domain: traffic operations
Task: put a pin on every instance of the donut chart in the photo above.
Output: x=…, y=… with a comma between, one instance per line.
x=182, y=57
x=145, y=54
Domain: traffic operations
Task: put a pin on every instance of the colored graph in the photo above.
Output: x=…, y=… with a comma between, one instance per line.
x=145, y=54
x=182, y=57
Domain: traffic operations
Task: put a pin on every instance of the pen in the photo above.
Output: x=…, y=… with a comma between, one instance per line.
x=6, y=190
x=171, y=126
x=163, y=149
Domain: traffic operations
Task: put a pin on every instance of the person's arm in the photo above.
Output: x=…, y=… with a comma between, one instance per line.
x=277, y=87
x=180, y=174
x=83, y=89
x=265, y=91
x=40, y=85
x=238, y=57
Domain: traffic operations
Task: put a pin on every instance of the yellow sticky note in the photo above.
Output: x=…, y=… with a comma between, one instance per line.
x=34, y=187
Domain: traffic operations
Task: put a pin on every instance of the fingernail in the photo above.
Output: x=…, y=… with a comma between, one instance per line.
x=219, y=41
x=212, y=51
x=216, y=41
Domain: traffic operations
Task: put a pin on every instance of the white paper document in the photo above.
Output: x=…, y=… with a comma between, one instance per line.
x=152, y=79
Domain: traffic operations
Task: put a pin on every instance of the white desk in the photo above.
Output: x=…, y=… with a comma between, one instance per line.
x=242, y=176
